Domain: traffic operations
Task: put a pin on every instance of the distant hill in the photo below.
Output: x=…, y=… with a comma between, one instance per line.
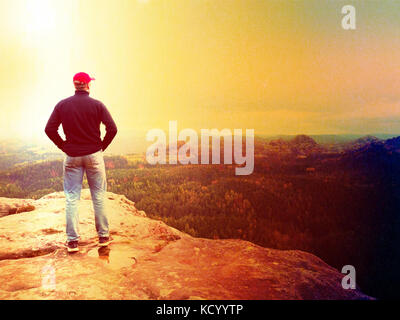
x=328, y=138
x=300, y=145
x=361, y=142
x=303, y=139
x=373, y=156
x=16, y=152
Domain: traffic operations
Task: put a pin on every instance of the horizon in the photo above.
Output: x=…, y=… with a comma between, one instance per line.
x=123, y=144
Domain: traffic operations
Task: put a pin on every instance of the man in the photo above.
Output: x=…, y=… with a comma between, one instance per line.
x=80, y=116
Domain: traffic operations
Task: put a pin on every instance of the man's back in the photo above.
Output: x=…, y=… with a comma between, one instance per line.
x=80, y=116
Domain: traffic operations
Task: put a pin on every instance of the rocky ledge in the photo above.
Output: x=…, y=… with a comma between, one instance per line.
x=147, y=259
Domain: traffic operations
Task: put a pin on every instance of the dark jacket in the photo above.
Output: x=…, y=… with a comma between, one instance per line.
x=80, y=116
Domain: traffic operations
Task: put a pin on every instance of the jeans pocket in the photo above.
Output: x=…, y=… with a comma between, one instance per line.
x=96, y=159
x=70, y=161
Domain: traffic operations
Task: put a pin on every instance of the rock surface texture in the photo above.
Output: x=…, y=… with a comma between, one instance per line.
x=146, y=260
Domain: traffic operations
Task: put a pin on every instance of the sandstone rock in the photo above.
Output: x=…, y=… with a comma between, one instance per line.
x=14, y=206
x=147, y=260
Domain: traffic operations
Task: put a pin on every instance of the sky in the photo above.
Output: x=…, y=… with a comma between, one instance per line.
x=278, y=67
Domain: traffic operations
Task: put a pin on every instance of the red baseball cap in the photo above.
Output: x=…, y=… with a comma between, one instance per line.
x=83, y=77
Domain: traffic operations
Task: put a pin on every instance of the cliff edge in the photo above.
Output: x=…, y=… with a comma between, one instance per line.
x=147, y=259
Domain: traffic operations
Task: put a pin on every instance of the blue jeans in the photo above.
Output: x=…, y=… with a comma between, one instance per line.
x=73, y=170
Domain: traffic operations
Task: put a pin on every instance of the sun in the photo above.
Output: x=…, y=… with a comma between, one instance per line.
x=39, y=16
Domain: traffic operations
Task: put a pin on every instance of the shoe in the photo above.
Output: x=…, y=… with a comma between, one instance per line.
x=104, y=241
x=72, y=246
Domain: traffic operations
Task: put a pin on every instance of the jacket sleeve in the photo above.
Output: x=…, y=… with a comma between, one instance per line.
x=52, y=128
x=111, y=128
